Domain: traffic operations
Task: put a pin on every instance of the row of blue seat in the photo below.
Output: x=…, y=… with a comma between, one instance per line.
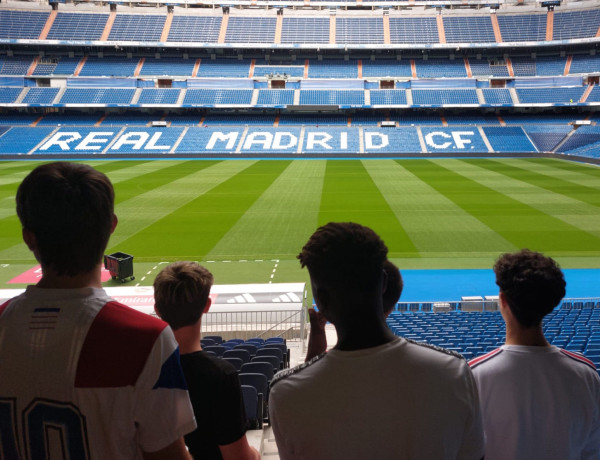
x=145, y=27
x=121, y=66
x=283, y=97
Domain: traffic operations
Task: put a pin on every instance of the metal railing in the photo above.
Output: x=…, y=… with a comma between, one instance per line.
x=288, y=324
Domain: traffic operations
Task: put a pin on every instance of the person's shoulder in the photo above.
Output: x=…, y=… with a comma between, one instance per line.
x=481, y=361
x=434, y=351
x=577, y=359
x=208, y=364
x=119, y=316
x=288, y=374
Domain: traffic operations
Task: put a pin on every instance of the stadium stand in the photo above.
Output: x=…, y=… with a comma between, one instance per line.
x=22, y=24
x=305, y=30
x=522, y=27
x=413, y=30
x=131, y=27
x=78, y=26
x=190, y=29
x=466, y=29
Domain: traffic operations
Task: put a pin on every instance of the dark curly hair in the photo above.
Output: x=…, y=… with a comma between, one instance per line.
x=532, y=283
x=345, y=254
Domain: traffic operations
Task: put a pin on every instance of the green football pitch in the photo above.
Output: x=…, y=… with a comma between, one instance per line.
x=247, y=219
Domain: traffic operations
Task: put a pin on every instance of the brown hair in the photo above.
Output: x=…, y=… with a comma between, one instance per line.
x=181, y=292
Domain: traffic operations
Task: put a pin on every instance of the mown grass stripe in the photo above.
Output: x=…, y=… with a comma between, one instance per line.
x=195, y=226
x=575, y=207
x=512, y=208
x=435, y=224
x=567, y=165
x=143, y=210
x=280, y=221
x=349, y=194
x=577, y=186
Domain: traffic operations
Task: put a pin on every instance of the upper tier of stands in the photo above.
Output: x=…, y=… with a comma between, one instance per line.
x=296, y=29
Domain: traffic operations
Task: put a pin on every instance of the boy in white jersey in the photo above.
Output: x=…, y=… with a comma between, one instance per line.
x=538, y=401
x=83, y=377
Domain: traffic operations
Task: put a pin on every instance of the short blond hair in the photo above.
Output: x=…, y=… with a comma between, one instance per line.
x=181, y=292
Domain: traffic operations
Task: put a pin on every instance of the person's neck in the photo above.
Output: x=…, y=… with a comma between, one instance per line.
x=51, y=280
x=188, y=338
x=531, y=336
x=363, y=334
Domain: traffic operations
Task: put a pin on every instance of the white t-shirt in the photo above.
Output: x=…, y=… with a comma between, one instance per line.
x=538, y=403
x=400, y=400
x=83, y=373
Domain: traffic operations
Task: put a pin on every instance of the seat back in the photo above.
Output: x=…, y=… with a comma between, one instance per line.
x=216, y=338
x=258, y=367
x=235, y=353
x=235, y=362
x=274, y=361
x=253, y=406
x=247, y=346
x=258, y=381
x=269, y=351
x=216, y=349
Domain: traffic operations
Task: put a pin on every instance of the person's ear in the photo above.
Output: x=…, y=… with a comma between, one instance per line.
x=30, y=239
x=115, y=221
x=207, y=306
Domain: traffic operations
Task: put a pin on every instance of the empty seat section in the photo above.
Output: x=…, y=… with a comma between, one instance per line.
x=159, y=96
x=275, y=97
x=22, y=140
x=171, y=67
x=386, y=68
x=584, y=63
x=261, y=140
x=238, y=119
x=522, y=27
x=22, y=24
x=333, y=68
x=550, y=65
x=109, y=66
x=132, y=140
x=177, y=119
x=550, y=95
x=40, y=95
x=444, y=96
x=537, y=119
x=9, y=94
x=305, y=30
x=313, y=119
x=210, y=140
x=203, y=29
x=15, y=119
x=547, y=137
x=494, y=67
x=131, y=119
x=65, y=66
x=463, y=29
x=359, y=30
x=217, y=96
x=416, y=118
x=332, y=97
x=250, y=30
x=333, y=140
x=224, y=68
x=583, y=136
x=414, y=30
x=497, y=96
x=508, y=139
x=477, y=119
x=396, y=140
x=97, y=96
x=368, y=119
x=133, y=27
x=388, y=97
x=15, y=65
x=576, y=24
x=440, y=68
x=594, y=96
x=263, y=69
x=70, y=119
x=78, y=26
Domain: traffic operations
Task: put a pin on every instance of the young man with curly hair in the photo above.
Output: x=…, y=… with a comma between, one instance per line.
x=374, y=395
x=537, y=400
